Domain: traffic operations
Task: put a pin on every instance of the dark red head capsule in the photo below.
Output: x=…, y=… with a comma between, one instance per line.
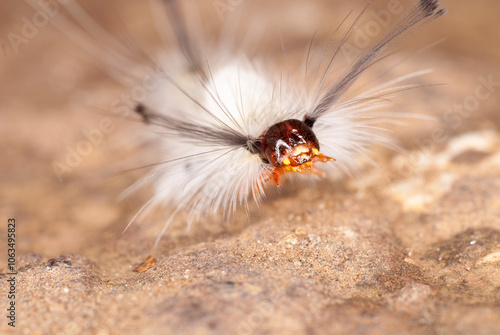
x=291, y=145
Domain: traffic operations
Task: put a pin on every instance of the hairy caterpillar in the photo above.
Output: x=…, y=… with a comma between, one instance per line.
x=230, y=125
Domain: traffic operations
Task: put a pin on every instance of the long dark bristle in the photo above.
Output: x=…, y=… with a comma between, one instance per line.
x=419, y=14
x=141, y=110
x=430, y=7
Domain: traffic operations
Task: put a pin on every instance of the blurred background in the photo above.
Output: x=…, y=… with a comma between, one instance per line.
x=53, y=92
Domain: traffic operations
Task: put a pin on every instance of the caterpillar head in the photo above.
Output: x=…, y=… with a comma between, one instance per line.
x=291, y=145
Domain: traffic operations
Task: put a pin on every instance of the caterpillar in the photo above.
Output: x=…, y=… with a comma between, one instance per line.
x=231, y=126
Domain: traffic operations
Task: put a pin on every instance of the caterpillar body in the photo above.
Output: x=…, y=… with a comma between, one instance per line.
x=229, y=125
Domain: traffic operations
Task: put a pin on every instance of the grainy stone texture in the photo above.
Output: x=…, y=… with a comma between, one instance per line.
x=411, y=246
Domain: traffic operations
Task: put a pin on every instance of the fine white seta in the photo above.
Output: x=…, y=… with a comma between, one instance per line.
x=229, y=124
